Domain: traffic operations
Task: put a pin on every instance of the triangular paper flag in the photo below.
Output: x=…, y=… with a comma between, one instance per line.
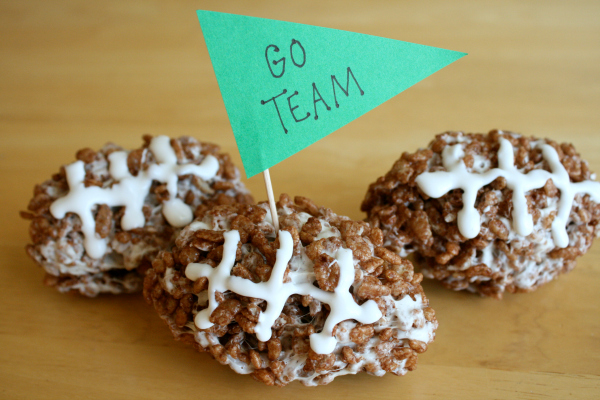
x=287, y=85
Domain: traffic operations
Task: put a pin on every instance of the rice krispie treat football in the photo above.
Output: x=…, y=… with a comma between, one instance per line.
x=99, y=222
x=317, y=300
x=488, y=213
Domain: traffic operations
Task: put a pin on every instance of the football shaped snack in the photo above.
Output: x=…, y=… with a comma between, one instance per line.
x=488, y=213
x=99, y=222
x=318, y=299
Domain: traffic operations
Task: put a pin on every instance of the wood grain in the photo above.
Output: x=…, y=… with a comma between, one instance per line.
x=78, y=74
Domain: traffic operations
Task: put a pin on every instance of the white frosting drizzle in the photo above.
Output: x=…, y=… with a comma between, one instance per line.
x=436, y=184
x=130, y=191
x=276, y=292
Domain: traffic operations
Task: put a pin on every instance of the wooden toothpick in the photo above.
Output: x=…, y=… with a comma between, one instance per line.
x=269, y=187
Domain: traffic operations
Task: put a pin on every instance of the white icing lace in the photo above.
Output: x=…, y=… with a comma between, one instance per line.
x=436, y=184
x=130, y=191
x=275, y=292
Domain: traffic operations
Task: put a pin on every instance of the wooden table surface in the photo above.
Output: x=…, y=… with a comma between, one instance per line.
x=78, y=74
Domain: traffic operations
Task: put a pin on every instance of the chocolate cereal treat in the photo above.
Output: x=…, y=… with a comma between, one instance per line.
x=320, y=299
x=99, y=222
x=488, y=213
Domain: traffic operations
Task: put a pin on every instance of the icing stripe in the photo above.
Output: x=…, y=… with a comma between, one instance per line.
x=130, y=191
x=436, y=184
x=275, y=292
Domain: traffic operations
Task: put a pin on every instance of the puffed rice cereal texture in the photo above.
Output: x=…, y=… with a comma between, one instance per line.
x=497, y=260
x=391, y=344
x=57, y=244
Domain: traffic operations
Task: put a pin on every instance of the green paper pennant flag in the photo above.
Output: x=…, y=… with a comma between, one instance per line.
x=287, y=85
